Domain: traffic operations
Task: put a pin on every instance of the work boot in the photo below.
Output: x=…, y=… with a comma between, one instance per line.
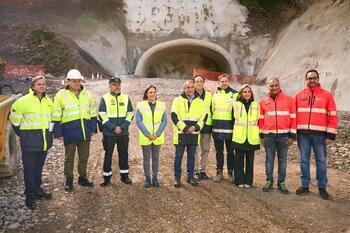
x=219, y=177
x=83, y=181
x=155, y=182
x=177, y=183
x=192, y=181
x=30, y=203
x=323, y=193
x=148, y=182
x=125, y=179
x=268, y=186
x=42, y=193
x=69, y=184
x=282, y=187
x=106, y=181
x=230, y=177
x=204, y=176
x=302, y=191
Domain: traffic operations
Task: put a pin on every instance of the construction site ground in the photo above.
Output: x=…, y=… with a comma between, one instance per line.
x=210, y=207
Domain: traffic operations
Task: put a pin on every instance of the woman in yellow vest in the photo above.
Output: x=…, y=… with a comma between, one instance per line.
x=151, y=120
x=245, y=136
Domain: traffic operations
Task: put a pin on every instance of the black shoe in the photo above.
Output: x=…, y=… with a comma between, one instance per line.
x=323, y=193
x=83, y=181
x=177, y=183
x=148, y=182
x=192, y=181
x=69, y=185
x=30, y=203
x=41, y=193
x=106, y=181
x=125, y=179
x=155, y=182
x=204, y=176
x=302, y=191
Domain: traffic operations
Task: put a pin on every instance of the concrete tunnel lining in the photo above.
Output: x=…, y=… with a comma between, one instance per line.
x=204, y=48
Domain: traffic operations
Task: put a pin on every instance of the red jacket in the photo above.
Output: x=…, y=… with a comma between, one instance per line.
x=277, y=116
x=316, y=112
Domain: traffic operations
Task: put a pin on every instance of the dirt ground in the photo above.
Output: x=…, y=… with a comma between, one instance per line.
x=210, y=207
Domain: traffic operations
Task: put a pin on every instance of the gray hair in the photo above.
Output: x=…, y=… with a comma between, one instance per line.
x=187, y=83
x=272, y=79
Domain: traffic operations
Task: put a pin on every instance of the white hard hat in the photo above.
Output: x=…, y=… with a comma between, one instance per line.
x=74, y=74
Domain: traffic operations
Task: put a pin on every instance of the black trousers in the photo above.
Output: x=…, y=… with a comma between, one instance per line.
x=33, y=162
x=219, y=147
x=244, y=176
x=122, y=147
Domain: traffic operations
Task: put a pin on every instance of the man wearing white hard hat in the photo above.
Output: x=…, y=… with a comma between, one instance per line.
x=74, y=115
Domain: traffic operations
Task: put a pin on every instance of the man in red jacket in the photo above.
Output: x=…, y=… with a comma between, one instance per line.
x=316, y=127
x=277, y=132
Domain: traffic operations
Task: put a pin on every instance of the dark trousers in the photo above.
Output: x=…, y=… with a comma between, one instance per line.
x=219, y=147
x=122, y=147
x=244, y=176
x=33, y=162
x=179, y=152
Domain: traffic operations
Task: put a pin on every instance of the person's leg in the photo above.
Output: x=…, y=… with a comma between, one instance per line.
x=249, y=167
x=219, y=148
x=282, y=150
x=83, y=152
x=320, y=150
x=238, y=166
x=29, y=162
x=40, y=161
x=205, y=148
x=69, y=160
x=304, y=145
x=270, y=150
x=179, y=152
x=122, y=147
x=155, y=162
x=108, y=145
x=230, y=158
x=146, y=151
x=191, y=150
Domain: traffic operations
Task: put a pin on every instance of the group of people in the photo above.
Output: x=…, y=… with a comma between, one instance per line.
x=234, y=120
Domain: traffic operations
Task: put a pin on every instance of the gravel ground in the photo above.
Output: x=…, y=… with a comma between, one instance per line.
x=210, y=207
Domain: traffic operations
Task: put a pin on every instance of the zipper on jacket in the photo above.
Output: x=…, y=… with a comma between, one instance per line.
x=116, y=98
x=275, y=100
x=155, y=105
x=311, y=102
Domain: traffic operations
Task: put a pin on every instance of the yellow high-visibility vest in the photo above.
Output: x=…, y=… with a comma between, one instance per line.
x=246, y=124
x=116, y=107
x=151, y=121
x=196, y=114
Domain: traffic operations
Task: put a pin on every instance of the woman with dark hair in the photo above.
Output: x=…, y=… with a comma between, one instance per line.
x=151, y=121
x=245, y=136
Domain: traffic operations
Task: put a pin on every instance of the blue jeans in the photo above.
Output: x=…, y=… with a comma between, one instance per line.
x=179, y=152
x=275, y=143
x=317, y=142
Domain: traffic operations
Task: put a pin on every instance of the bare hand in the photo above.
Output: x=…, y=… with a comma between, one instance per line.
x=191, y=130
x=152, y=137
x=117, y=130
x=290, y=142
x=328, y=141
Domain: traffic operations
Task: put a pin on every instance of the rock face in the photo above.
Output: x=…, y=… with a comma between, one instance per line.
x=319, y=39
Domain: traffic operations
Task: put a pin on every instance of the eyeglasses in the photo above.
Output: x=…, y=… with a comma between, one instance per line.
x=312, y=78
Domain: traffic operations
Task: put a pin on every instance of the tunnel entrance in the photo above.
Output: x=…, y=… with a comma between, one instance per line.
x=177, y=59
